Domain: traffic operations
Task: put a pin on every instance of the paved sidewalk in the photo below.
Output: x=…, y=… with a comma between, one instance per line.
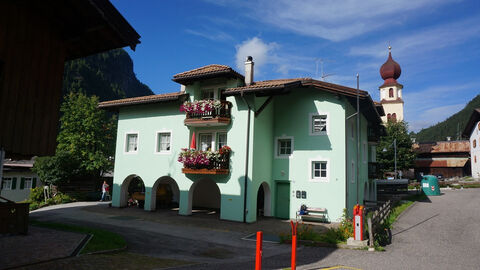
x=40, y=244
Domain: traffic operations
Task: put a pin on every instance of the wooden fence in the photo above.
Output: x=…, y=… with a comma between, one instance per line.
x=378, y=218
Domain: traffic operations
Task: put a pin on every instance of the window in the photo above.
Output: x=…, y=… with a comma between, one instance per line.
x=27, y=183
x=319, y=169
x=374, y=153
x=318, y=124
x=132, y=143
x=7, y=183
x=205, y=141
x=475, y=158
x=222, y=139
x=390, y=92
x=208, y=94
x=284, y=147
x=474, y=143
x=163, y=142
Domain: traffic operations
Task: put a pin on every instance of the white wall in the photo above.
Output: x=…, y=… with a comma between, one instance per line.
x=475, y=151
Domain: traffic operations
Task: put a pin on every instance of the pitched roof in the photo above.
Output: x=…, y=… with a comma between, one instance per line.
x=272, y=86
x=142, y=100
x=443, y=147
x=206, y=72
x=474, y=118
x=441, y=163
x=262, y=86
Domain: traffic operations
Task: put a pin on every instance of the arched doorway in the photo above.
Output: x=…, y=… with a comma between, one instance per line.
x=165, y=194
x=204, y=197
x=132, y=192
x=264, y=200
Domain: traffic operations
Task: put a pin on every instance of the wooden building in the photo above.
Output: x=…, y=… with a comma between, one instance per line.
x=446, y=158
x=36, y=38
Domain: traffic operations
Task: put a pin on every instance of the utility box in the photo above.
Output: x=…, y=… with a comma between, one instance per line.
x=430, y=185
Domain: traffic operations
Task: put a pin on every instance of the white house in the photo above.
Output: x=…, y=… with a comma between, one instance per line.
x=472, y=131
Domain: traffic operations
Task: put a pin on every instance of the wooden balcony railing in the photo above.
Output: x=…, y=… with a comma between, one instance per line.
x=219, y=165
x=216, y=117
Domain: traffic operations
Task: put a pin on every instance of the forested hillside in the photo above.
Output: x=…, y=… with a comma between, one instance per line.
x=451, y=127
x=107, y=75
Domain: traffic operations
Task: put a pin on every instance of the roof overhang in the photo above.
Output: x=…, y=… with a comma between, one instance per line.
x=86, y=26
x=474, y=118
x=163, y=98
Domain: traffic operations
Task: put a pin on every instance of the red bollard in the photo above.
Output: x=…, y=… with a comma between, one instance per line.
x=294, y=245
x=258, y=258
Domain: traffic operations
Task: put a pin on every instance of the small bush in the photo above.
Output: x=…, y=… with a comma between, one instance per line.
x=36, y=194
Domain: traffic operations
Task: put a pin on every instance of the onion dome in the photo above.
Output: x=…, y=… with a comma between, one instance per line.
x=390, y=70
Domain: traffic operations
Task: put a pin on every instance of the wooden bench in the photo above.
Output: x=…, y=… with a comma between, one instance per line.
x=314, y=214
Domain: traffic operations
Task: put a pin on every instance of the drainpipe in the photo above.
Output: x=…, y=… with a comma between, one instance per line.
x=246, y=162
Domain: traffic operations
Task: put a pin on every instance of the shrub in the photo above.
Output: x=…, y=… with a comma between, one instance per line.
x=36, y=194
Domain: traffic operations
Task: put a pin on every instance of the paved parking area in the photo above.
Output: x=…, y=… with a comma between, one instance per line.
x=439, y=234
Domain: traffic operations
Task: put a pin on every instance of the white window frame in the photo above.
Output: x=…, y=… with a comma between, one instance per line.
x=311, y=177
x=125, y=146
x=217, y=134
x=276, y=155
x=8, y=180
x=214, y=137
x=25, y=180
x=310, y=125
x=157, y=141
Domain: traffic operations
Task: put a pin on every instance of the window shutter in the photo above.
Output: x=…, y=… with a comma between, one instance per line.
x=22, y=182
x=34, y=182
x=14, y=182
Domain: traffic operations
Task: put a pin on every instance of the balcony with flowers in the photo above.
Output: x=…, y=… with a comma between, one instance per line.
x=202, y=113
x=205, y=162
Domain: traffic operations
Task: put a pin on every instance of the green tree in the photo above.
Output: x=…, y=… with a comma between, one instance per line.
x=405, y=155
x=85, y=142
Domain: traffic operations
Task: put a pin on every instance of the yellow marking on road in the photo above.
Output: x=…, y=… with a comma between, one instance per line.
x=341, y=267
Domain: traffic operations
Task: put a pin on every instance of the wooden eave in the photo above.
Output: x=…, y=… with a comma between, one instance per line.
x=474, y=118
x=86, y=26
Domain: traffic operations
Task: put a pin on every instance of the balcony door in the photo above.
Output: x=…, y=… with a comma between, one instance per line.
x=212, y=140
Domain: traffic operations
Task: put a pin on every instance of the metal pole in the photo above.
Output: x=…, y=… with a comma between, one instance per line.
x=258, y=257
x=358, y=132
x=395, y=150
x=293, y=265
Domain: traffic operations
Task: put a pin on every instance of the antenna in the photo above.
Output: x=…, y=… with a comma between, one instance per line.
x=323, y=75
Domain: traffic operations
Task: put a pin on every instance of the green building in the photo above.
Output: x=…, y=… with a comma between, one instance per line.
x=292, y=141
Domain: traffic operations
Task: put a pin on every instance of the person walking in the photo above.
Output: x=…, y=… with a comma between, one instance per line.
x=105, y=189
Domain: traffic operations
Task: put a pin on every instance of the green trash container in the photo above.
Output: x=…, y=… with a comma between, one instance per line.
x=430, y=185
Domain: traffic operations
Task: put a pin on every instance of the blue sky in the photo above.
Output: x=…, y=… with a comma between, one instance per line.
x=436, y=42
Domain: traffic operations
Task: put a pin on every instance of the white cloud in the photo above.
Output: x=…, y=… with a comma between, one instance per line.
x=333, y=19
x=210, y=34
x=434, y=115
x=422, y=108
x=262, y=53
x=424, y=41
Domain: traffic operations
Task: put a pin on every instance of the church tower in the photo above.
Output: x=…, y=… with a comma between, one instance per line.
x=391, y=90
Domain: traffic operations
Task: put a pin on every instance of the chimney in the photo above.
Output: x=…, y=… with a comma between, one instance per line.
x=249, y=70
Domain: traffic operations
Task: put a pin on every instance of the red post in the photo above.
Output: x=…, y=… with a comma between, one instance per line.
x=294, y=245
x=258, y=258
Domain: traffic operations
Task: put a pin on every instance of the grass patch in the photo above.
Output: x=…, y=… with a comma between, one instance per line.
x=102, y=240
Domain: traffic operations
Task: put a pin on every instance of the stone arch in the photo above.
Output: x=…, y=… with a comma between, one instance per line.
x=170, y=192
x=126, y=189
x=264, y=200
x=204, y=194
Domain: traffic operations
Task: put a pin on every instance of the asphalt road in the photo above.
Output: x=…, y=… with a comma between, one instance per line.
x=442, y=233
